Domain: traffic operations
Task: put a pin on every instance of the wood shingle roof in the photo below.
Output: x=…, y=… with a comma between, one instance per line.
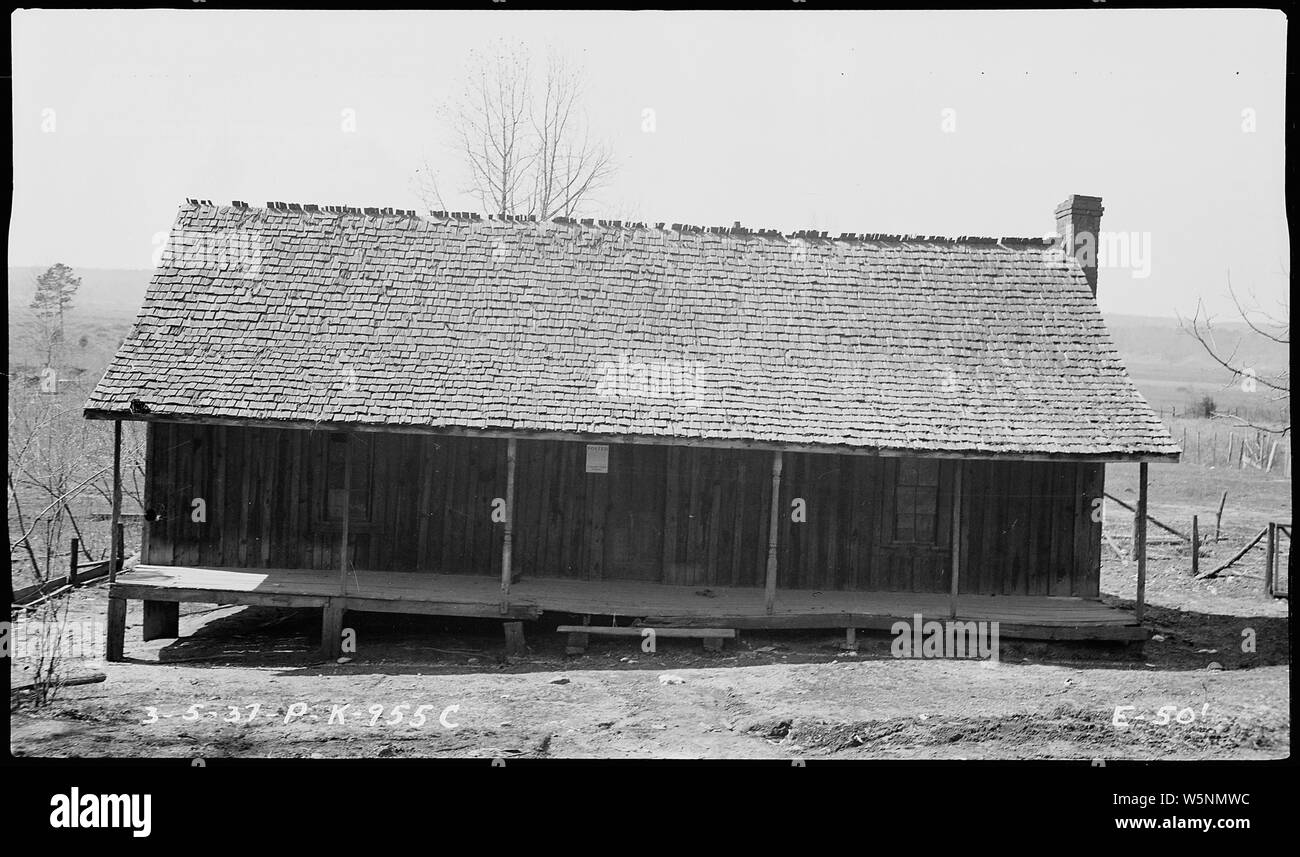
x=384, y=319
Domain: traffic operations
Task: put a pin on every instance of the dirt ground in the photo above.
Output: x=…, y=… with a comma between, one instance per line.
x=780, y=695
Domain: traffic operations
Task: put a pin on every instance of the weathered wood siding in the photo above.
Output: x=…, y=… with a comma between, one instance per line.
x=266, y=492
x=1029, y=528
x=680, y=515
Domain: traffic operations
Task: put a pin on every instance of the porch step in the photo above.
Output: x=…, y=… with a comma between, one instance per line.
x=578, y=635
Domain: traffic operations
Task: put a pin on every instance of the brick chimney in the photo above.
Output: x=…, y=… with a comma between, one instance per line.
x=1078, y=221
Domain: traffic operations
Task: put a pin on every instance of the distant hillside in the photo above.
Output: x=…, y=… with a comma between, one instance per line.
x=1169, y=366
x=102, y=313
x=1173, y=371
x=105, y=292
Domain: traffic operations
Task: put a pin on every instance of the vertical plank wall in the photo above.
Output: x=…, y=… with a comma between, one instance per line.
x=678, y=515
x=266, y=490
x=1029, y=529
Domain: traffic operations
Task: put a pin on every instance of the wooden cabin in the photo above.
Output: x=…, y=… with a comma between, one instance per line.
x=371, y=410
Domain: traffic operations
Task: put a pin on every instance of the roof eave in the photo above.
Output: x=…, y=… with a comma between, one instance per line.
x=662, y=440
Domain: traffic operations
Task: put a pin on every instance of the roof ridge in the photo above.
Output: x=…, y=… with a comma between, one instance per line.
x=735, y=230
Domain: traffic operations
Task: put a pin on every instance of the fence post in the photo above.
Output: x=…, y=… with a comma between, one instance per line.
x=1196, y=546
x=1137, y=525
x=1218, y=519
x=1268, y=559
x=72, y=561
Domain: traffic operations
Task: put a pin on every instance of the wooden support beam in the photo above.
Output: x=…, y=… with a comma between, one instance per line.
x=577, y=644
x=347, y=514
x=114, y=549
x=331, y=629
x=507, y=544
x=116, y=637
x=773, y=529
x=514, y=639
x=162, y=619
x=145, y=523
x=1123, y=557
x=658, y=440
x=1238, y=555
x=956, y=542
x=88, y=678
x=1140, y=540
x=664, y=631
x=73, y=562
x=592, y=437
x=579, y=635
x=1160, y=524
x=331, y=633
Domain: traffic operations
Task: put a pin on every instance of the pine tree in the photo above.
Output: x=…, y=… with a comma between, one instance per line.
x=55, y=290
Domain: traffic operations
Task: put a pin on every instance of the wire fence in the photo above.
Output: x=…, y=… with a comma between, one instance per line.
x=1214, y=444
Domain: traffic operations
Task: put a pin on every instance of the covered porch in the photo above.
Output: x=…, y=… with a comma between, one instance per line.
x=162, y=588
x=671, y=536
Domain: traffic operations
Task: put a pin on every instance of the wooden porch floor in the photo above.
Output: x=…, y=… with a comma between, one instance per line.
x=1034, y=617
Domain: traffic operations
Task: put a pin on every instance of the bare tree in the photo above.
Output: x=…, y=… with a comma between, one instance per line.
x=1271, y=326
x=527, y=147
x=568, y=164
x=58, y=463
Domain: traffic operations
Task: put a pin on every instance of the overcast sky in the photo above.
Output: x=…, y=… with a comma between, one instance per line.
x=943, y=123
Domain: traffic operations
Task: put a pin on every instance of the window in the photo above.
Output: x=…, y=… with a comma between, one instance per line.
x=916, y=500
x=360, y=479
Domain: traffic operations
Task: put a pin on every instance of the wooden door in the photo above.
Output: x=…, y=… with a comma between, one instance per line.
x=634, y=512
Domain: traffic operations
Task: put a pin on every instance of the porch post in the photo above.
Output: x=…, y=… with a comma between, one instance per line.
x=347, y=513
x=1140, y=540
x=113, y=547
x=115, y=625
x=148, y=490
x=507, y=544
x=773, y=529
x=331, y=630
x=956, y=540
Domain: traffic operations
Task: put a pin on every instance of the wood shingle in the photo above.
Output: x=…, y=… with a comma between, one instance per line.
x=971, y=346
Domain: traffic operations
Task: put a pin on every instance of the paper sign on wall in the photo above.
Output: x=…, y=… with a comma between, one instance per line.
x=597, y=458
